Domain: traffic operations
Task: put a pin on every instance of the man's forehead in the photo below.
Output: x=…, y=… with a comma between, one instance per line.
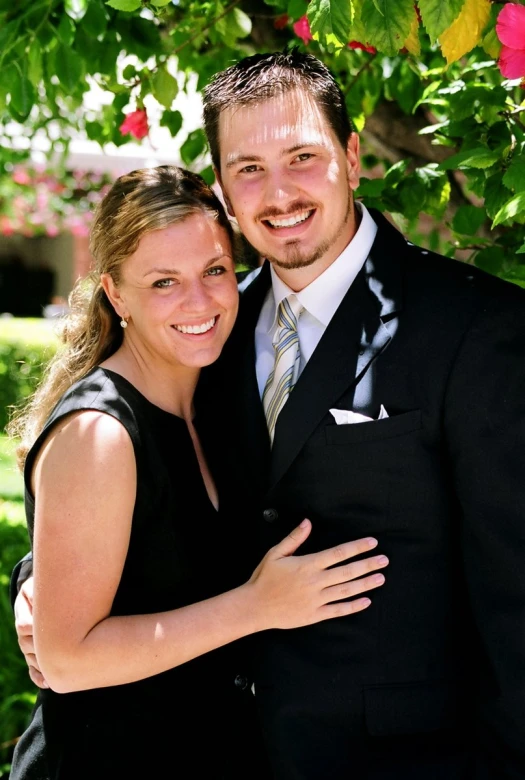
x=292, y=117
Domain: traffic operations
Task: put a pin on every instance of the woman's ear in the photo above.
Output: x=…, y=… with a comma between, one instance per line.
x=113, y=294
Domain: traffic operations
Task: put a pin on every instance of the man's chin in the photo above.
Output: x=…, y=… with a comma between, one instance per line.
x=293, y=260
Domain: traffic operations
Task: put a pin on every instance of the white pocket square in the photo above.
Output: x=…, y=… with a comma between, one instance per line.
x=344, y=417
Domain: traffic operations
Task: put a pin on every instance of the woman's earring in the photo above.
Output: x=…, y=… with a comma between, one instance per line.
x=123, y=323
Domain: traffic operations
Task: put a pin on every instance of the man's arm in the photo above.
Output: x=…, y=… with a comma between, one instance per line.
x=485, y=424
x=19, y=575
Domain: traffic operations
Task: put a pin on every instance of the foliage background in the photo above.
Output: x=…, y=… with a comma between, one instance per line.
x=442, y=129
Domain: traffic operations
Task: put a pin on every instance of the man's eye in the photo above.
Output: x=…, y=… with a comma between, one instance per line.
x=250, y=169
x=217, y=270
x=162, y=284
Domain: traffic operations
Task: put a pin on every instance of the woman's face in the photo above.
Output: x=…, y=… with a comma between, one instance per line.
x=180, y=293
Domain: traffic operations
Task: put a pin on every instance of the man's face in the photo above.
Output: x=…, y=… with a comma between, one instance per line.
x=288, y=181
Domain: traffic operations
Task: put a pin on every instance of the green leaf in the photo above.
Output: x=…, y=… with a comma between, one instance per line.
x=69, y=68
x=514, y=178
x=490, y=259
x=193, y=146
x=387, y=23
x=370, y=188
x=396, y=173
x=22, y=96
x=124, y=5
x=438, y=15
x=160, y=3
x=233, y=26
x=468, y=220
x=512, y=208
x=330, y=19
x=296, y=9
x=208, y=174
x=495, y=194
x=76, y=8
x=96, y=19
x=66, y=30
x=165, y=87
x=521, y=250
x=34, y=64
x=480, y=157
x=172, y=120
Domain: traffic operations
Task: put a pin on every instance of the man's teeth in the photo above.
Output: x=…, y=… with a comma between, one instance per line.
x=290, y=221
x=196, y=328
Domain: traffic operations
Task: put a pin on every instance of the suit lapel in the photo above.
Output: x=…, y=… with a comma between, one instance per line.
x=359, y=331
x=254, y=438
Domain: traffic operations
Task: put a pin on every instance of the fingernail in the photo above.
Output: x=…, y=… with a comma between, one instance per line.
x=304, y=524
x=379, y=578
x=364, y=602
x=371, y=541
x=382, y=560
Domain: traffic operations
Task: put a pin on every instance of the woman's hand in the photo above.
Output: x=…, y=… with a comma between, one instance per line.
x=24, y=631
x=292, y=591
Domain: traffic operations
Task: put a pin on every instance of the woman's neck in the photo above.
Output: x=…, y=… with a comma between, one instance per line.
x=169, y=387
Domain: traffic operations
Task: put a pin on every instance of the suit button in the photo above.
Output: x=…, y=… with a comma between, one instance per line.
x=270, y=515
x=241, y=682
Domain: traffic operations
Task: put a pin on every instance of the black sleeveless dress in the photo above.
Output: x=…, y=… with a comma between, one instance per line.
x=196, y=720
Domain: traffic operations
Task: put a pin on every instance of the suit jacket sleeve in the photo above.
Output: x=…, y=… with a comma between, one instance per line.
x=485, y=428
x=22, y=571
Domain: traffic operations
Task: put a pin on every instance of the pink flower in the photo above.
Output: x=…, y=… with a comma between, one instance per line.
x=6, y=226
x=281, y=21
x=510, y=29
x=363, y=46
x=302, y=29
x=136, y=124
x=20, y=176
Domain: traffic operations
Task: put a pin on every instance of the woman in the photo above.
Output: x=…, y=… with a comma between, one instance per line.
x=136, y=600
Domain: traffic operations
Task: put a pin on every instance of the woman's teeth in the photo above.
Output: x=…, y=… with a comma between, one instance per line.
x=290, y=221
x=196, y=328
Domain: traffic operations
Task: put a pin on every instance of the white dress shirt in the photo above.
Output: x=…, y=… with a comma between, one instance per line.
x=320, y=299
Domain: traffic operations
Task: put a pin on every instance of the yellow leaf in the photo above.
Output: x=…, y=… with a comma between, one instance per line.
x=466, y=31
x=412, y=42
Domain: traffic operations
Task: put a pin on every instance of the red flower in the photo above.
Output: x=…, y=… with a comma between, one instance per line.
x=363, y=46
x=510, y=29
x=302, y=29
x=136, y=124
x=281, y=21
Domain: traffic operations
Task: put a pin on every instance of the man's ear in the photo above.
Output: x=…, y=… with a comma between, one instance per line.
x=113, y=293
x=224, y=195
x=353, y=160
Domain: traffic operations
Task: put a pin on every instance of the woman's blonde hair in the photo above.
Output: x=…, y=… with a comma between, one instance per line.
x=138, y=203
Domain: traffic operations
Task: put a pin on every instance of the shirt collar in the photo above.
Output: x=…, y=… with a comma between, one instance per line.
x=322, y=297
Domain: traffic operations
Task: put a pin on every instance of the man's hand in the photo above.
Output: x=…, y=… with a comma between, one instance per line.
x=24, y=630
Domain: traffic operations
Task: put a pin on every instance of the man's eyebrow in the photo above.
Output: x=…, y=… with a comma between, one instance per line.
x=251, y=158
x=174, y=272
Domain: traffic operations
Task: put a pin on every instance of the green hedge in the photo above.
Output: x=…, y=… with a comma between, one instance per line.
x=25, y=346
x=17, y=692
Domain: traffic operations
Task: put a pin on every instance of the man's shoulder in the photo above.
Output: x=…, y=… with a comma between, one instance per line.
x=446, y=277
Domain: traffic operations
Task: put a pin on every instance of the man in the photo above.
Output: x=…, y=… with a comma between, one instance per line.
x=429, y=682
x=376, y=389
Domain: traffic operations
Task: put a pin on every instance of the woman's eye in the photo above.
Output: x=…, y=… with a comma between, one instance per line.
x=217, y=270
x=304, y=156
x=162, y=284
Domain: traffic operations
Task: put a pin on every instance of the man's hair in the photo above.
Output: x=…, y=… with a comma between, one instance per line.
x=265, y=76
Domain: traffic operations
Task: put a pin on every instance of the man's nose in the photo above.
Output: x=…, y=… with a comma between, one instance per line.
x=280, y=189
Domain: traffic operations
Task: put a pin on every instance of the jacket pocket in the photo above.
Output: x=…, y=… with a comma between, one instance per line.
x=416, y=708
x=374, y=430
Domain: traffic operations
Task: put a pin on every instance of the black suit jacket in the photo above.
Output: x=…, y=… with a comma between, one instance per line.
x=430, y=680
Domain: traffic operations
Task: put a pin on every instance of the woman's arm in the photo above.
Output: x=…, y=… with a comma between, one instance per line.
x=85, y=485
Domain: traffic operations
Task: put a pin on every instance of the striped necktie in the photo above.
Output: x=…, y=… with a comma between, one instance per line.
x=287, y=356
